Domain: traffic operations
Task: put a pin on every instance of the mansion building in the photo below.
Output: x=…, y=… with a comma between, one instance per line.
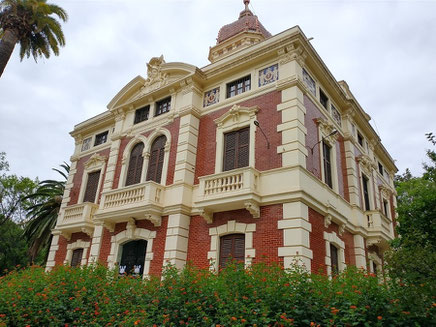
x=259, y=156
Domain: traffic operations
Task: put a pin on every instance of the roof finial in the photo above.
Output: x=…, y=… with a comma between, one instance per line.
x=246, y=3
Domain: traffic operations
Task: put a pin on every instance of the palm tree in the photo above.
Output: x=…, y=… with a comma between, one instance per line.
x=29, y=23
x=43, y=215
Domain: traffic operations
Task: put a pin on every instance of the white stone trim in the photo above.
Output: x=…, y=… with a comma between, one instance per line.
x=374, y=258
x=131, y=234
x=126, y=159
x=95, y=163
x=231, y=227
x=335, y=240
x=234, y=119
x=77, y=245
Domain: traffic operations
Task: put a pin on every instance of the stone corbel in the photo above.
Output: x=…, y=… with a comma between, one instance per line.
x=207, y=215
x=365, y=162
x=88, y=231
x=154, y=218
x=131, y=227
x=66, y=235
x=341, y=229
x=293, y=52
x=253, y=208
x=327, y=220
x=109, y=226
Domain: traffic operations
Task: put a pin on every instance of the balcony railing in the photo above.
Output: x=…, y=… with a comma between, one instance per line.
x=78, y=213
x=376, y=221
x=131, y=196
x=243, y=180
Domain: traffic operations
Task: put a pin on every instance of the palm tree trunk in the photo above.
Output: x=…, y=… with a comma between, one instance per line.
x=7, y=44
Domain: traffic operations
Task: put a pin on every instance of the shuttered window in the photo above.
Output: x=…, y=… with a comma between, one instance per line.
x=236, y=149
x=76, y=259
x=232, y=247
x=91, y=186
x=334, y=259
x=133, y=257
x=155, y=165
x=135, y=165
x=327, y=164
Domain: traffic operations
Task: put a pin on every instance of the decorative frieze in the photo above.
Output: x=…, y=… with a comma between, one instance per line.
x=268, y=75
x=211, y=97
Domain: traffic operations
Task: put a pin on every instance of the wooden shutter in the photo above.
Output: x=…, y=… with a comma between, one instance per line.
x=135, y=165
x=157, y=154
x=327, y=164
x=334, y=259
x=76, y=259
x=91, y=186
x=232, y=247
x=236, y=149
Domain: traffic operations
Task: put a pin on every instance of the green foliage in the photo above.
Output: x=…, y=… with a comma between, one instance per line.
x=31, y=20
x=44, y=212
x=13, y=248
x=262, y=295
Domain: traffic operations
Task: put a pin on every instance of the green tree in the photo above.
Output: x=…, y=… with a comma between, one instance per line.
x=413, y=255
x=13, y=190
x=13, y=247
x=30, y=23
x=43, y=214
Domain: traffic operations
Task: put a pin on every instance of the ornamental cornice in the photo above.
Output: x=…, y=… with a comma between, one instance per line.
x=190, y=110
x=235, y=114
x=327, y=128
x=96, y=161
x=366, y=163
x=386, y=191
x=286, y=83
x=292, y=52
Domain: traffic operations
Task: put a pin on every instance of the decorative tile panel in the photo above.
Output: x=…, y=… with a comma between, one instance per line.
x=336, y=115
x=310, y=83
x=86, y=145
x=268, y=75
x=211, y=97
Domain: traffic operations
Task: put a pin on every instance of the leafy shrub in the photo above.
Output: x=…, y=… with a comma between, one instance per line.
x=263, y=295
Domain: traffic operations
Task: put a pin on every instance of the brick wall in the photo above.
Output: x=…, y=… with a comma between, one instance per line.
x=268, y=117
x=266, y=239
x=77, y=180
x=318, y=245
x=61, y=253
x=343, y=170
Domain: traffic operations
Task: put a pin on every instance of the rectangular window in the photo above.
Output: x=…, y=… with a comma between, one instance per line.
x=327, y=164
x=76, y=259
x=101, y=138
x=91, y=186
x=141, y=114
x=365, y=182
x=323, y=99
x=163, y=106
x=236, y=149
x=360, y=139
x=380, y=168
x=239, y=86
x=232, y=247
x=334, y=259
x=386, y=208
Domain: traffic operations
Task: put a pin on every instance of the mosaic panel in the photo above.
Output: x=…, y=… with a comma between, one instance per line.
x=86, y=145
x=211, y=97
x=310, y=83
x=336, y=116
x=268, y=75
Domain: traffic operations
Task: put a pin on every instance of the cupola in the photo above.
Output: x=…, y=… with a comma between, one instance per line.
x=240, y=34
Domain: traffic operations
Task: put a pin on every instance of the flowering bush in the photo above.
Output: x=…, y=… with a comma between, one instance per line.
x=263, y=295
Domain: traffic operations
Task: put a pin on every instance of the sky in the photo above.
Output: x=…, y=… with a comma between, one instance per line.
x=385, y=50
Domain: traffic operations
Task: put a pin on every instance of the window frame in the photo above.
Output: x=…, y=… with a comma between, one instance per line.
x=104, y=135
x=237, y=148
x=162, y=106
x=324, y=104
x=327, y=163
x=366, y=194
x=238, y=90
x=97, y=173
x=139, y=116
x=141, y=164
x=223, y=261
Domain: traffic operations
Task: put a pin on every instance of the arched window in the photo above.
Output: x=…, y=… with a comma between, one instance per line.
x=133, y=257
x=135, y=165
x=232, y=247
x=155, y=165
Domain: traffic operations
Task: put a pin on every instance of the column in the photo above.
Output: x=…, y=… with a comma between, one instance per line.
x=96, y=243
x=176, y=243
x=359, y=251
x=52, y=252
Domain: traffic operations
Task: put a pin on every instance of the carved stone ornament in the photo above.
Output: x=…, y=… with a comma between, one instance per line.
x=130, y=228
x=96, y=161
x=154, y=73
x=154, y=219
x=235, y=114
x=293, y=52
x=207, y=215
x=88, y=231
x=253, y=208
x=109, y=226
x=366, y=163
x=385, y=191
x=341, y=229
x=327, y=221
x=326, y=128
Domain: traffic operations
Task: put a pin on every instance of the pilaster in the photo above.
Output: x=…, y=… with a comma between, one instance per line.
x=359, y=251
x=96, y=243
x=176, y=243
x=52, y=252
x=296, y=230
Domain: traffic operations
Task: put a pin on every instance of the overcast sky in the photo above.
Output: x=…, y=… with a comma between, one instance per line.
x=385, y=50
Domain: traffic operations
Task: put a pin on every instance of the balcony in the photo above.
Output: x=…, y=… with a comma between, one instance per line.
x=140, y=201
x=77, y=218
x=230, y=190
x=379, y=223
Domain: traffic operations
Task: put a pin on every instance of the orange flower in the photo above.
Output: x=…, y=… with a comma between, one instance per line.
x=243, y=320
x=136, y=322
x=312, y=323
x=353, y=307
x=234, y=318
x=379, y=317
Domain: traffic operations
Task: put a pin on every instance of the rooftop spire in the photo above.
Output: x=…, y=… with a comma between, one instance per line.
x=246, y=3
